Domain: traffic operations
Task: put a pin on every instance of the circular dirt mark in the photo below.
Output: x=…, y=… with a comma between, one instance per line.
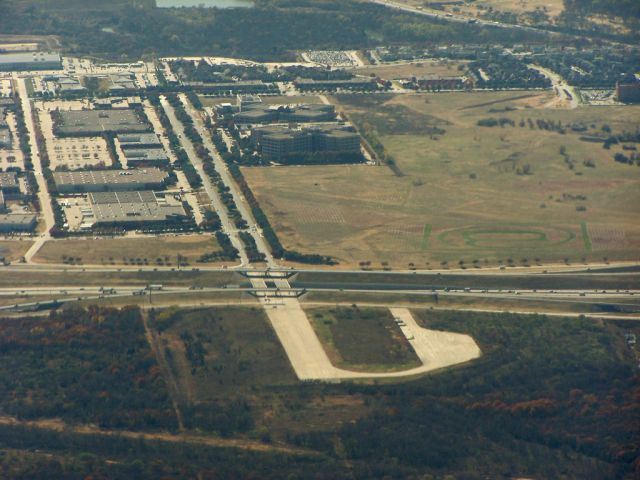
x=507, y=236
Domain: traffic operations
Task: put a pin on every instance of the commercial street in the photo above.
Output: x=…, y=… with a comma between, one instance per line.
x=238, y=198
x=43, y=194
x=210, y=189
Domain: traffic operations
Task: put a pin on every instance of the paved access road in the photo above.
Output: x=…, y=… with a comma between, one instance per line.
x=43, y=193
x=435, y=349
x=564, y=91
x=453, y=17
x=221, y=167
x=310, y=361
x=227, y=224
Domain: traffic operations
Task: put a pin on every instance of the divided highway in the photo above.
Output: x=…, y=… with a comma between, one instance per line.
x=43, y=193
x=453, y=17
x=227, y=224
x=221, y=167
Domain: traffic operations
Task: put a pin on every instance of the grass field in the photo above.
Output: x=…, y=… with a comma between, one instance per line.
x=218, y=350
x=477, y=195
x=363, y=339
x=160, y=251
x=445, y=68
x=220, y=361
x=12, y=250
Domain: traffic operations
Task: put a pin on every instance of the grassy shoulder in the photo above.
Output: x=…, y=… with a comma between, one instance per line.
x=115, y=278
x=366, y=340
x=163, y=251
x=12, y=250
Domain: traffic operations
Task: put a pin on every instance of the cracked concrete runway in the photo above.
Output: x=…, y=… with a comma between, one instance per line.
x=310, y=361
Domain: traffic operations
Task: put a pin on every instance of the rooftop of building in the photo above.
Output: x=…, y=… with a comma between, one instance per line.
x=138, y=138
x=17, y=218
x=8, y=180
x=29, y=57
x=78, y=121
x=143, y=206
x=147, y=175
x=71, y=87
x=145, y=154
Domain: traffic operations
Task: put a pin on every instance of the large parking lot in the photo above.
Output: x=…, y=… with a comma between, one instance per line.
x=333, y=58
x=78, y=212
x=72, y=153
x=12, y=157
x=158, y=129
x=6, y=89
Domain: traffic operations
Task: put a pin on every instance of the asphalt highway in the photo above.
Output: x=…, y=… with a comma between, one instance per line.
x=208, y=186
x=61, y=291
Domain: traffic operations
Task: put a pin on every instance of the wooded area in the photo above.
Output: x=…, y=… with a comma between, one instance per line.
x=564, y=390
x=272, y=29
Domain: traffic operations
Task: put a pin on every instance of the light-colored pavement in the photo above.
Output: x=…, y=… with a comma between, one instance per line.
x=599, y=269
x=454, y=17
x=310, y=361
x=282, y=286
x=435, y=349
x=208, y=186
x=300, y=342
x=151, y=114
x=221, y=168
x=566, y=94
x=43, y=193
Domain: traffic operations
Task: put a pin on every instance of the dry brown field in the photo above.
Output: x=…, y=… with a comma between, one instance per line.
x=481, y=196
x=444, y=68
x=12, y=250
x=143, y=251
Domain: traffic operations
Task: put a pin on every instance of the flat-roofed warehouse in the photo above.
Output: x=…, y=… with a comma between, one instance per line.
x=5, y=133
x=27, y=61
x=139, y=140
x=5, y=138
x=146, y=157
x=88, y=123
x=9, y=184
x=17, y=222
x=133, y=209
x=109, y=180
